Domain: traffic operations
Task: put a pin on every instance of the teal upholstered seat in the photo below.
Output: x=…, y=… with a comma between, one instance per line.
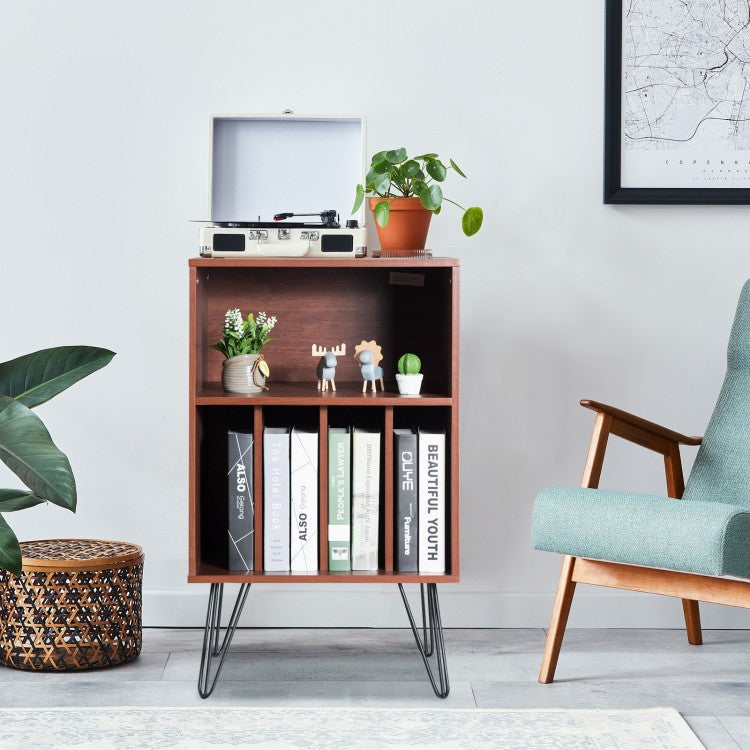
x=707, y=531
x=694, y=536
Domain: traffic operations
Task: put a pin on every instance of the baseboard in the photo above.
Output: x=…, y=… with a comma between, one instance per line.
x=319, y=606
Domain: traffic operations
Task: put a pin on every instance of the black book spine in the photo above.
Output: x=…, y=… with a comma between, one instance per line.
x=405, y=490
x=240, y=500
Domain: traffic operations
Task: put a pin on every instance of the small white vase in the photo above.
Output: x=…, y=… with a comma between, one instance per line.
x=237, y=375
x=409, y=385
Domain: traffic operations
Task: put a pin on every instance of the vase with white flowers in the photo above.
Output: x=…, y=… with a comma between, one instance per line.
x=245, y=368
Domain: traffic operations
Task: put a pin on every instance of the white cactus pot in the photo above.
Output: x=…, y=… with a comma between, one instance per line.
x=409, y=385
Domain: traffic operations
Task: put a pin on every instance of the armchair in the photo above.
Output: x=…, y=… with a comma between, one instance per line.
x=685, y=545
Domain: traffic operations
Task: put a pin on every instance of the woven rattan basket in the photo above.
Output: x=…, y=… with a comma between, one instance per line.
x=75, y=605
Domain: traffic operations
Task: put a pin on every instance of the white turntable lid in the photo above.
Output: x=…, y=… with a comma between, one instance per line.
x=264, y=165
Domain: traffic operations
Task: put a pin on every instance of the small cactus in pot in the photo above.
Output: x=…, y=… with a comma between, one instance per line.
x=409, y=377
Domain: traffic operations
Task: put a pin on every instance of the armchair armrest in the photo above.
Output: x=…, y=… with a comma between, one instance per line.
x=654, y=437
x=618, y=415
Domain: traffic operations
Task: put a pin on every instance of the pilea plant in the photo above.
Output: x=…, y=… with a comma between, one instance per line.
x=409, y=364
x=393, y=174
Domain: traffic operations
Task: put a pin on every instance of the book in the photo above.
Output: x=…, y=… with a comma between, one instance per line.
x=304, y=499
x=431, y=487
x=405, y=483
x=339, y=499
x=241, y=520
x=365, y=499
x=276, y=504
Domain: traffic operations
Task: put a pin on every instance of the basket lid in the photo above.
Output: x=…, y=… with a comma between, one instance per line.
x=78, y=554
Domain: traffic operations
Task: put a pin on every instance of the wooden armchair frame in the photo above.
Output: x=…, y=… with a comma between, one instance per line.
x=690, y=587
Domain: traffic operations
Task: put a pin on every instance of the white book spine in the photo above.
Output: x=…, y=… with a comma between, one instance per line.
x=276, y=499
x=304, y=495
x=431, y=502
x=365, y=499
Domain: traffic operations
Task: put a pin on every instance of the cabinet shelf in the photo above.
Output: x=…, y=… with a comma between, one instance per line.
x=207, y=573
x=306, y=394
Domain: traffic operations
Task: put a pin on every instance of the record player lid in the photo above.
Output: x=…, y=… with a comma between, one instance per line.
x=264, y=164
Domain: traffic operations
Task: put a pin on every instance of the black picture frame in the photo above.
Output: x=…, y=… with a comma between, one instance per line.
x=613, y=190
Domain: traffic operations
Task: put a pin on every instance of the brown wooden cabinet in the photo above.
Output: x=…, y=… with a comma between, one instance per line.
x=405, y=304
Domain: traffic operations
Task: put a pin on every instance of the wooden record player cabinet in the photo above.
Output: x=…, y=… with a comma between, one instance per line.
x=406, y=305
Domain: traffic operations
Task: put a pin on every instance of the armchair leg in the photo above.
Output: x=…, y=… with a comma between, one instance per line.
x=692, y=622
x=560, y=610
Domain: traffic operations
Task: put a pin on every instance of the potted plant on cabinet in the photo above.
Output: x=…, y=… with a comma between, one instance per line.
x=405, y=193
x=409, y=377
x=244, y=370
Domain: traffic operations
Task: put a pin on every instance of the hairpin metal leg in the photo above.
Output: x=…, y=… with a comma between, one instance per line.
x=432, y=637
x=212, y=634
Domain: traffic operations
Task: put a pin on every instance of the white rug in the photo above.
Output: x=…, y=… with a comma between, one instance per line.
x=331, y=728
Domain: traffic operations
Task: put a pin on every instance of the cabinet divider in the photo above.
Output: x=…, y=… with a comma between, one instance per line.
x=388, y=493
x=258, y=484
x=323, y=489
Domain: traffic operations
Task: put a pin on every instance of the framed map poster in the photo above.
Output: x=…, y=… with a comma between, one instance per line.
x=677, y=101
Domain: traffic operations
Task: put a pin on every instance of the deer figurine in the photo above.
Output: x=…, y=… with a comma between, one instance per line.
x=326, y=370
x=368, y=356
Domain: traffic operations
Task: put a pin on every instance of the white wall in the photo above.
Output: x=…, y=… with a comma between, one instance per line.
x=103, y=160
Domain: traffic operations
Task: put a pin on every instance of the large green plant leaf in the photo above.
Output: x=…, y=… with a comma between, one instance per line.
x=431, y=197
x=27, y=449
x=10, y=549
x=359, y=196
x=382, y=183
x=410, y=168
x=36, y=378
x=396, y=155
x=456, y=167
x=436, y=169
x=382, y=212
x=471, y=222
x=11, y=500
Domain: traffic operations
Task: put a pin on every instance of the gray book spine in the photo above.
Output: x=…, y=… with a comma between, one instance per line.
x=405, y=487
x=240, y=500
x=365, y=499
x=276, y=500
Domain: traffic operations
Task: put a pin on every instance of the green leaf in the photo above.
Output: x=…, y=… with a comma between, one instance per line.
x=436, y=169
x=28, y=451
x=378, y=158
x=11, y=500
x=382, y=183
x=384, y=167
x=426, y=156
x=10, y=549
x=359, y=196
x=382, y=212
x=35, y=378
x=431, y=197
x=471, y=221
x=396, y=156
x=410, y=168
x=455, y=166
x=418, y=185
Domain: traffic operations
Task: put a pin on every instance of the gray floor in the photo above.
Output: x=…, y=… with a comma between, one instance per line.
x=709, y=684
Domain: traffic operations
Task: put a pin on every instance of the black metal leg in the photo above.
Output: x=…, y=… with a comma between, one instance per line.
x=433, y=625
x=212, y=635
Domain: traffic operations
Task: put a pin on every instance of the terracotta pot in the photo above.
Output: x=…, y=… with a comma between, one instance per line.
x=407, y=225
